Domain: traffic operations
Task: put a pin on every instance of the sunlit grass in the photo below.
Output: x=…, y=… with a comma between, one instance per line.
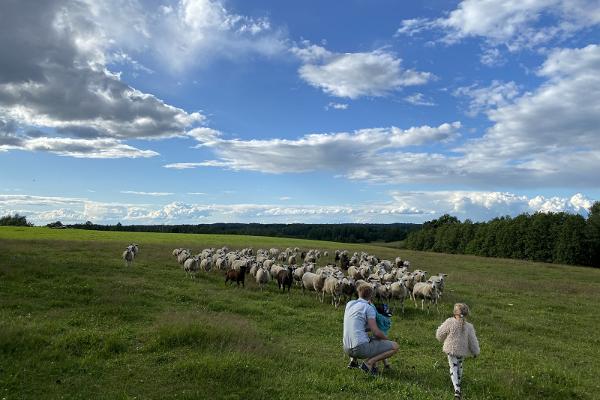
x=76, y=323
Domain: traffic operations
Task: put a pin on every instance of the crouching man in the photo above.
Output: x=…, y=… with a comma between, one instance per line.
x=359, y=317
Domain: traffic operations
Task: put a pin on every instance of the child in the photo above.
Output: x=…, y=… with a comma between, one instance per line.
x=459, y=342
x=384, y=323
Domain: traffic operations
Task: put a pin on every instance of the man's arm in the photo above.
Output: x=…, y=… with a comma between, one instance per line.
x=376, y=332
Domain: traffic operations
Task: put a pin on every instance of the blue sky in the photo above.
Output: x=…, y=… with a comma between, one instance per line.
x=200, y=111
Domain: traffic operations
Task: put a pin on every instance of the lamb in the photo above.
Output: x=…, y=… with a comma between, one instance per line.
x=262, y=277
x=285, y=278
x=236, y=276
x=426, y=291
x=292, y=259
x=333, y=286
x=128, y=257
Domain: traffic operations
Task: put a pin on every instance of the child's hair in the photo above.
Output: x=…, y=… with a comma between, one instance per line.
x=462, y=310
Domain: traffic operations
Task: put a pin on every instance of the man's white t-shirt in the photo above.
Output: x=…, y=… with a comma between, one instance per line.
x=356, y=323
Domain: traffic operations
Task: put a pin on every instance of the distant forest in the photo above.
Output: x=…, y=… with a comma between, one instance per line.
x=549, y=237
x=347, y=233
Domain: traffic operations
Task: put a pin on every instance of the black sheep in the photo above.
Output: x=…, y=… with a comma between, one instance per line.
x=236, y=276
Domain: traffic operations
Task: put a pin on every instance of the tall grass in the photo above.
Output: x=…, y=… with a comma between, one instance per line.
x=76, y=323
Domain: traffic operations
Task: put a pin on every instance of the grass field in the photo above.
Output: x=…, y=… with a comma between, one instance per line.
x=75, y=323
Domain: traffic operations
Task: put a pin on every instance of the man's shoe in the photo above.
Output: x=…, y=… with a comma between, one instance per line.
x=353, y=364
x=366, y=369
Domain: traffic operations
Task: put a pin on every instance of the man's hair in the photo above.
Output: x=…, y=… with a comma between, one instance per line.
x=365, y=291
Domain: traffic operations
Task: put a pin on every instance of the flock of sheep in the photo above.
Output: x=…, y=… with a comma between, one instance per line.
x=392, y=281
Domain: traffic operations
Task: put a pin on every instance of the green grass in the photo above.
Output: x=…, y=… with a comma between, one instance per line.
x=76, y=323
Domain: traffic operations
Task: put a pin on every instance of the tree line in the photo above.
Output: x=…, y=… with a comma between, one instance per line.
x=347, y=233
x=548, y=237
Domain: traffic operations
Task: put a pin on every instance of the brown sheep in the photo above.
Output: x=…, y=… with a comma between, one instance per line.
x=236, y=276
x=285, y=278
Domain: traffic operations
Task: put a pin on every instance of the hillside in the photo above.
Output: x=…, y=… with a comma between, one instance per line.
x=76, y=323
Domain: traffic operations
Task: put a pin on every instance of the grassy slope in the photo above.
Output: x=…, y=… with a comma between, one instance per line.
x=76, y=323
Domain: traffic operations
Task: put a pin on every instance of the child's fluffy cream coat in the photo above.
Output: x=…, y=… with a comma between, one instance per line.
x=458, y=341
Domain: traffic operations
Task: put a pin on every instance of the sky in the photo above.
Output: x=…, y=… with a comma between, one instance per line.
x=368, y=111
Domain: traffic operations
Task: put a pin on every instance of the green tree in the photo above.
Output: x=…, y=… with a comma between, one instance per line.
x=593, y=234
x=14, y=220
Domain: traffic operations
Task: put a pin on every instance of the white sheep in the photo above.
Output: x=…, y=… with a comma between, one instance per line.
x=191, y=266
x=333, y=287
x=399, y=293
x=440, y=279
x=426, y=291
x=262, y=277
x=128, y=257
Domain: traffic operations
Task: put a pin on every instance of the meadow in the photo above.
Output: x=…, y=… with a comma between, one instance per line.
x=75, y=323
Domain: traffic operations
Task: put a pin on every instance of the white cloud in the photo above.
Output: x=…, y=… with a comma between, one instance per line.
x=197, y=31
x=184, y=165
x=336, y=106
x=147, y=193
x=285, y=198
x=482, y=206
x=346, y=153
x=514, y=23
x=56, y=93
x=354, y=75
x=418, y=99
x=496, y=95
x=551, y=134
x=80, y=148
x=402, y=206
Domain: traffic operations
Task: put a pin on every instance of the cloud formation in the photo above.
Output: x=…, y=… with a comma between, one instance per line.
x=355, y=154
x=402, y=206
x=56, y=93
x=353, y=75
x=513, y=23
x=550, y=134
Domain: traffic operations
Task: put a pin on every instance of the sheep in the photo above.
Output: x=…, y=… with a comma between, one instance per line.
x=262, y=277
x=292, y=259
x=325, y=253
x=285, y=278
x=420, y=275
x=128, y=257
x=191, y=266
x=383, y=292
x=426, y=291
x=318, y=283
x=135, y=248
x=206, y=264
x=183, y=255
x=348, y=288
x=236, y=276
x=440, y=279
x=307, y=281
x=238, y=264
x=333, y=286
x=399, y=292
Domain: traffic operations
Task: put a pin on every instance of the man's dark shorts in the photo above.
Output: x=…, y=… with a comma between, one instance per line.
x=370, y=349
